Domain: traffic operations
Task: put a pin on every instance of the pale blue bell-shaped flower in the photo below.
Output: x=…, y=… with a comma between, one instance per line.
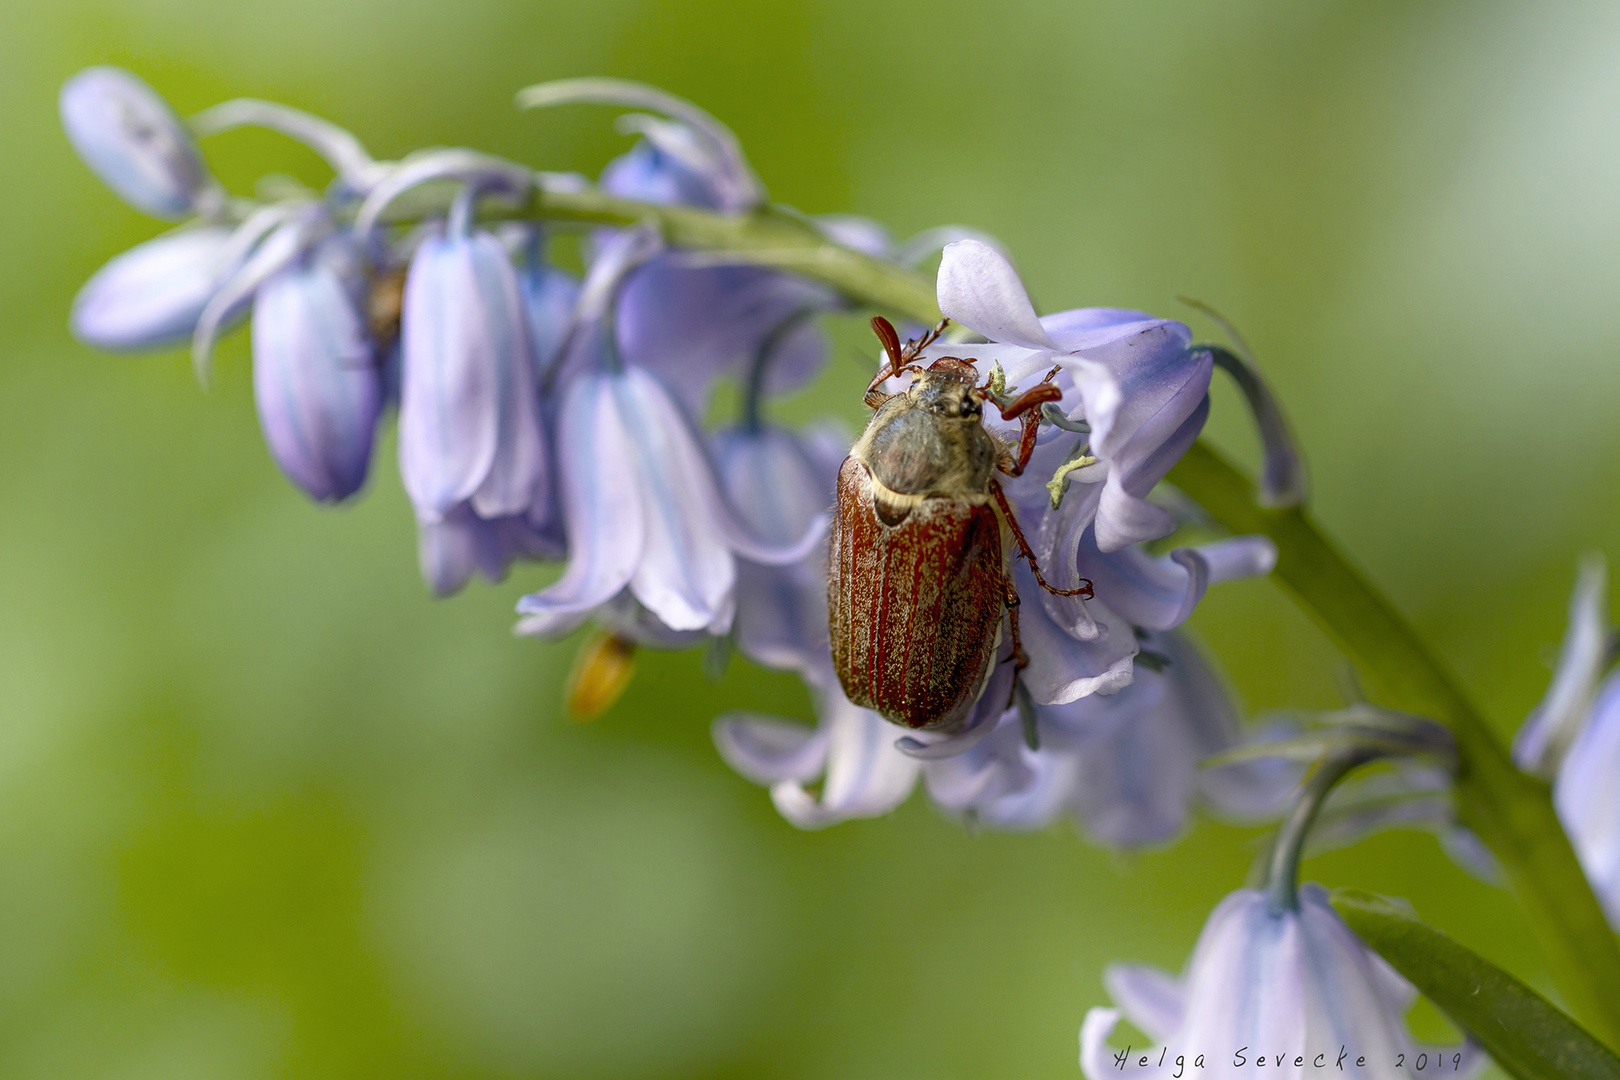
x=1587, y=797
x=132, y=140
x=1124, y=766
x=469, y=414
x=1133, y=379
x=780, y=482
x=1291, y=985
x=851, y=752
x=691, y=320
x=1573, y=737
x=643, y=509
x=316, y=379
x=153, y=294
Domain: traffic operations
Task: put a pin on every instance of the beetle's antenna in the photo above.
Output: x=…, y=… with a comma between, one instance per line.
x=890, y=338
x=917, y=345
x=1084, y=591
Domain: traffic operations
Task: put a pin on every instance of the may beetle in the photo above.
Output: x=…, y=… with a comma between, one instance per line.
x=920, y=572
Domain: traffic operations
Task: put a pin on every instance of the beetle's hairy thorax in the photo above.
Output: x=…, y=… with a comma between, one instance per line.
x=928, y=442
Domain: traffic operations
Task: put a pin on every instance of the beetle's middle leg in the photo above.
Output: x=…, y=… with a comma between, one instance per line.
x=1027, y=553
x=1028, y=405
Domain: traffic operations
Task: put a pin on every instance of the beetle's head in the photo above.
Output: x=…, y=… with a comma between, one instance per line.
x=946, y=388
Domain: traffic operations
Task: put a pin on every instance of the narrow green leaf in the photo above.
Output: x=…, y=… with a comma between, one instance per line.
x=1524, y=1032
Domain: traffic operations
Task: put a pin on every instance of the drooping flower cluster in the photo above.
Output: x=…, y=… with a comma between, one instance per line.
x=545, y=417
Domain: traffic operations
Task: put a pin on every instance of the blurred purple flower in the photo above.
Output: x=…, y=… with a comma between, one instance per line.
x=315, y=371
x=470, y=438
x=132, y=140
x=851, y=753
x=1125, y=766
x=780, y=482
x=153, y=294
x=1289, y=983
x=644, y=512
x=1573, y=737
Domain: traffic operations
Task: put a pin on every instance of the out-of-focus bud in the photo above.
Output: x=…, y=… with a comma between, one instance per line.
x=602, y=670
x=153, y=294
x=132, y=139
x=469, y=422
x=315, y=376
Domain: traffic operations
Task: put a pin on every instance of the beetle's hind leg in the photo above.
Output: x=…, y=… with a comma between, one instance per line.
x=1027, y=553
x=1019, y=658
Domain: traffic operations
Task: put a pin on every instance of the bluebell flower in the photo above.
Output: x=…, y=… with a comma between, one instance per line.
x=850, y=754
x=1132, y=379
x=1296, y=983
x=1573, y=737
x=1125, y=767
x=682, y=314
x=470, y=438
x=315, y=370
x=153, y=294
x=1587, y=797
x=136, y=144
x=643, y=510
x=780, y=483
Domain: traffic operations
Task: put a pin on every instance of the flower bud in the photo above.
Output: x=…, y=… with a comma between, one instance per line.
x=315, y=377
x=469, y=418
x=132, y=139
x=153, y=294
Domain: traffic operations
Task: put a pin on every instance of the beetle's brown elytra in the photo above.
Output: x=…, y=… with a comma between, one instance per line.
x=919, y=573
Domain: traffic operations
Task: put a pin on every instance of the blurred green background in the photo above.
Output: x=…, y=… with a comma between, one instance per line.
x=268, y=810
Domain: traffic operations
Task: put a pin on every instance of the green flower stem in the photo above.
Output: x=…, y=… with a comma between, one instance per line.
x=1512, y=812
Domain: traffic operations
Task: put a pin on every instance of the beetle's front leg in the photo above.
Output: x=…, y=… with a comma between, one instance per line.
x=1028, y=405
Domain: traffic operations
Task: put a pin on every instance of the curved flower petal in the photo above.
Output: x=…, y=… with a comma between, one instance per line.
x=979, y=289
x=1289, y=983
x=767, y=750
x=1556, y=721
x=1588, y=798
x=450, y=549
x=288, y=235
x=455, y=339
x=691, y=324
x=1160, y=592
x=686, y=570
x=706, y=147
x=606, y=527
x=1063, y=669
x=866, y=776
x=1151, y=999
x=517, y=476
x=1124, y=516
x=315, y=378
x=990, y=771
x=132, y=140
x=779, y=490
x=154, y=293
